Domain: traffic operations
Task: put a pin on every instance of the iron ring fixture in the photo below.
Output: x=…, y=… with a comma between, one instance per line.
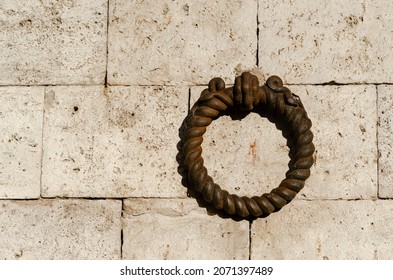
x=273, y=101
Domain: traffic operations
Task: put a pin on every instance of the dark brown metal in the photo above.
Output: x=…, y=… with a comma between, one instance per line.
x=273, y=101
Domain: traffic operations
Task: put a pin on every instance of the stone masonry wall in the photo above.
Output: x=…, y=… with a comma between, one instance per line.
x=92, y=96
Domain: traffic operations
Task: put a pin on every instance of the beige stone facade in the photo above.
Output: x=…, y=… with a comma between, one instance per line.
x=93, y=94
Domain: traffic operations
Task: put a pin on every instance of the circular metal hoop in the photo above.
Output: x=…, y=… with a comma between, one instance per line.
x=272, y=101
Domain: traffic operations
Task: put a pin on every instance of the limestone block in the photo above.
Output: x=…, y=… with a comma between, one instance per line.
x=180, y=229
x=322, y=41
x=60, y=229
x=118, y=142
x=385, y=140
x=344, y=126
x=335, y=229
x=180, y=42
x=21, y=115
x=250, y=156
x=53, y=42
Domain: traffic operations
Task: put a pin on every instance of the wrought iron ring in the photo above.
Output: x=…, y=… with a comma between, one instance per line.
x=273, y=101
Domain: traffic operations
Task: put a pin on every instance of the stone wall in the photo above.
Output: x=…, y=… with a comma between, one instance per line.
x=92, y=96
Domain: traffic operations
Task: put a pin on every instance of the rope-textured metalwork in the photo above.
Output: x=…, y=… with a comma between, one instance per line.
x=273, y=101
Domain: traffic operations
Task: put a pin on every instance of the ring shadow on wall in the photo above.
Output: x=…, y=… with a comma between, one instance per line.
x=272, y=101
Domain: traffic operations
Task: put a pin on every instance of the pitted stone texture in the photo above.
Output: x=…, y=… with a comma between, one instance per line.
x=325, y=230
x=344, y=126
x=53, y=42
x=250, y=157
x=21, y=115
x=118, y=142
x=60, y=229
x=245, y=157
x=180, y=229
x=385, y=141
x=321, y=41
x=180, y=42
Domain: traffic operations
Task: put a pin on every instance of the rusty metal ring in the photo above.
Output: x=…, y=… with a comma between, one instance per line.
x=272, y=101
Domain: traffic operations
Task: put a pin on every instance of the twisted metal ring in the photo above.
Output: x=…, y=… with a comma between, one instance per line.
x=272, y=101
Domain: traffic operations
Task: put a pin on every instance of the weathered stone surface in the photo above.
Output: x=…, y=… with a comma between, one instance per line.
x=322, y=41
x=180, y=229
x=325, y=230
x=120, y=141
x=21, y=115
x=60, y=229
x=385, y=141
x=53, y=42
x=344, y=126
x=249, y=157
x=115, y=143
x=180, y=42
